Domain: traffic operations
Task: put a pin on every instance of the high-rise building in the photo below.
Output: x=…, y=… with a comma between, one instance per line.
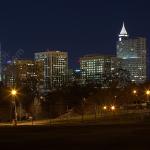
x=20, y=72
x=95, y=67
x=1, y=67
x=74, y=77
x=54, y=68
x=132, y=52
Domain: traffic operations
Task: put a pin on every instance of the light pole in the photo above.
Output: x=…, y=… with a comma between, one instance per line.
x=113, y=108
x=83, y=102
x=135, y=93
x=14, y=93
x=104, y=107
x=147, y=93
x=115, y=99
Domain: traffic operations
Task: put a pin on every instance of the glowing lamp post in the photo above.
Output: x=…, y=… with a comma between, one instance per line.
x=134, y=92
x=105, y=107
x=147, y=93
x=113, y=108
x=13, y=94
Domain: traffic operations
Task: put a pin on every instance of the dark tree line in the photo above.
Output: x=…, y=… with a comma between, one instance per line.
x=74, y=96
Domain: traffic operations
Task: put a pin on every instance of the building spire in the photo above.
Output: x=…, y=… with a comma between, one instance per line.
x=123, y=32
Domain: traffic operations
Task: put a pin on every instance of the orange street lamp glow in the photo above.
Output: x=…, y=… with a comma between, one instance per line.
x=112, y=107
x=148, y=92
x=105, y=107
x=13, y=92
x=134, y=91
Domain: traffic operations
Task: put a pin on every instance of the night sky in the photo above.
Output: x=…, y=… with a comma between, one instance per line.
x=79, y=27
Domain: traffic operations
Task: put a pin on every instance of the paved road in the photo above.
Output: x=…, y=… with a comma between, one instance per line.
x=93, y=137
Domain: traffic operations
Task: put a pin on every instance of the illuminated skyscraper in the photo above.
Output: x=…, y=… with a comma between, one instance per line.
x=54, y=68
x=20, y=72
x=94, y=67
x=1, y=68
x=132, y=52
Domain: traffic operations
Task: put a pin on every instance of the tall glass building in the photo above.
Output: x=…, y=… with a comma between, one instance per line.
x=53, y=68
x=132, y=52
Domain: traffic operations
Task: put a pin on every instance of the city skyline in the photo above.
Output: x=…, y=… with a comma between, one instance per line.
x=79, y=28
x=19, y=54
x=75, y=74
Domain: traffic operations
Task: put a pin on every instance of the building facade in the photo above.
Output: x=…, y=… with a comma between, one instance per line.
x=132, y=52
x=20, y=72
x=53, y=68
x=94, y=68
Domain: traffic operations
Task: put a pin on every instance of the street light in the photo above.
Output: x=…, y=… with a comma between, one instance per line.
x=105, y=107
x=113, y=108
x=83, y=103
x=14, y=93
x=134, y=91
x=147, y=93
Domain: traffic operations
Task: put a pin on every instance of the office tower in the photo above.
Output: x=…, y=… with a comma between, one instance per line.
x=1, y=68
x=95, y=67
x=54, y=68
x=132, y=52
x=20, y=73
x=74, y=77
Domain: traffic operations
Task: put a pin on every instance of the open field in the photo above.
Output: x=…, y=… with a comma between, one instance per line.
x=88, y=119
x=122, y=137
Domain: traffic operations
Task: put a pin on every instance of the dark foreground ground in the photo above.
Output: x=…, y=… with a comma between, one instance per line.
x=93, y=137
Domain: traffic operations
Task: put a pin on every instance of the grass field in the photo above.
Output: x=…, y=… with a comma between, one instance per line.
x=122, y=137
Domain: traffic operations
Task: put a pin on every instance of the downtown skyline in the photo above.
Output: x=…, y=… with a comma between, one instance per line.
x=74, y=74
x=79, y=28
